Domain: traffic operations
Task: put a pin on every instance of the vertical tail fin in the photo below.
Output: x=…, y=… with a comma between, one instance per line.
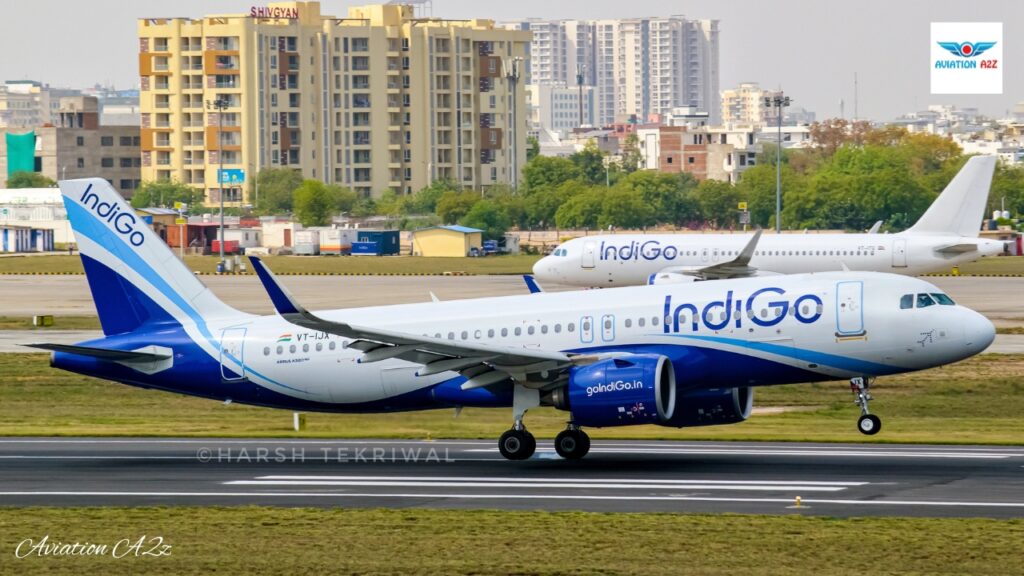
x=134, y=276
x=960, y=208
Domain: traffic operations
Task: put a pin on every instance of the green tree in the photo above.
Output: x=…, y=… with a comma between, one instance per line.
x=391, y=204
x=452, y=206
x=1008, y=184
x=364, y=207
x=542, y=207
x=24, y=179
x=165, y=193
x=590, y=161
x=346, y=198
x=488, y=216
x=719, y=202
x=546, y=172
x=757, y=186
x=667, y=194
x=582, y=211
x=532, y=148
x=315, y=203
x=425, y=201
x=276, y=188
x=623, y=208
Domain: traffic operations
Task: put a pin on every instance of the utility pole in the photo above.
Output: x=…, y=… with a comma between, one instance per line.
x=512, y=74
x=778, y=102
x=580, y=69
x=220, y=105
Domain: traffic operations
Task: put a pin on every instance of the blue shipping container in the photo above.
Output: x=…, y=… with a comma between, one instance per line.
x=365, y=249
x=388, y=241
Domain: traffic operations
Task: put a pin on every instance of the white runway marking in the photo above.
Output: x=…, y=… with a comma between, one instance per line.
x=767, y=451
x=972, y=504
x=576, y=480
x=605, y=486
x=548, y=482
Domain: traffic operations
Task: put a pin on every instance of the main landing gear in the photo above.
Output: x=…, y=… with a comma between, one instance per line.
x=572, y=443
x=517, y=443
x=867, y=423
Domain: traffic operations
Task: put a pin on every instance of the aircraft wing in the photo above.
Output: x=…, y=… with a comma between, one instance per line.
x=482, y=363
x=738, y=267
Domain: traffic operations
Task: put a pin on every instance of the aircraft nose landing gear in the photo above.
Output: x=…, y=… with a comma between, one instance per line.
x=868, y=423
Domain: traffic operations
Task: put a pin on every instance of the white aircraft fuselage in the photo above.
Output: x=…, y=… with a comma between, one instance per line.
x=632, y=259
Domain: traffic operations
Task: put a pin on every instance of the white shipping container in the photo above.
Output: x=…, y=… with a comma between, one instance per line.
x=337, y=240
x=307, y=237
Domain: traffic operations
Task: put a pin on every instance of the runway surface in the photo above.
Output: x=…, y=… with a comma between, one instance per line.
x=624, y=476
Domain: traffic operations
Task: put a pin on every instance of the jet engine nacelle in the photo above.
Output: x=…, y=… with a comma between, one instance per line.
x=636, y=389
x=714, y=406
x=662, y=278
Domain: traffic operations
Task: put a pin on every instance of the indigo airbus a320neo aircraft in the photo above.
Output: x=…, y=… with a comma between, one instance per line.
x=946, y=235
x=676, y=355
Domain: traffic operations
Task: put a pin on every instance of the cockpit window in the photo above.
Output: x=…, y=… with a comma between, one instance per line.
x=906, y=301
x=943, y=299
x=924, y=301
x=559, y=252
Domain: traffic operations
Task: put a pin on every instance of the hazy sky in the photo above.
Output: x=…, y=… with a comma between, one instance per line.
x=811, y=48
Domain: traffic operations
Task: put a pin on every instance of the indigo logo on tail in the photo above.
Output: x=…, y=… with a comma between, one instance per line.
x=123, y=222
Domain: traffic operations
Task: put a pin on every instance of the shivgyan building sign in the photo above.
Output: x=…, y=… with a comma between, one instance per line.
x=274, y=12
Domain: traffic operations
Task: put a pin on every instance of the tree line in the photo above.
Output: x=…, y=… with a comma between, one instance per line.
x=855, y=176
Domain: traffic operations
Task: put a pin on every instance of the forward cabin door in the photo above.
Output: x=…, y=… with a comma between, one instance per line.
x=899, y=253
x=850, y=309
x=588, y=255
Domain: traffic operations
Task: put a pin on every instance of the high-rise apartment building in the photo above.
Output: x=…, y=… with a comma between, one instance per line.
x=29, y=104
x=379, y=100
x=639, y=66
x=75, y=145
x=745, y=105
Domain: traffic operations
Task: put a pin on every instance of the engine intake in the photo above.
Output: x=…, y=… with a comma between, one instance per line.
x=637, y=389
x=714, y=406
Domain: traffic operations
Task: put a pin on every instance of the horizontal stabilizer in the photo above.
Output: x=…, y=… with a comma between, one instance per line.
x=961, y=248
x=102, y=353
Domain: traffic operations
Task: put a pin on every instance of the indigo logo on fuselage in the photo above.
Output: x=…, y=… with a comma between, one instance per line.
x=717, y=314
x=648, y=250
x=110, y=212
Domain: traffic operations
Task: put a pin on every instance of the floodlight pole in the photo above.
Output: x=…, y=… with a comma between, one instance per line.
x=778, y=102
x=220, y=105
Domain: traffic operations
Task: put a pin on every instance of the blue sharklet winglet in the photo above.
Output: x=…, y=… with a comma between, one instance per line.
x=531, y=284
x=282, y=300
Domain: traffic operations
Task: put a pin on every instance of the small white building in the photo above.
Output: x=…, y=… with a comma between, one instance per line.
x=38, y=208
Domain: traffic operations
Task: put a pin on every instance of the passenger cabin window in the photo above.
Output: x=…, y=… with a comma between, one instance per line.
x=906, y=301
x=924, y=301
